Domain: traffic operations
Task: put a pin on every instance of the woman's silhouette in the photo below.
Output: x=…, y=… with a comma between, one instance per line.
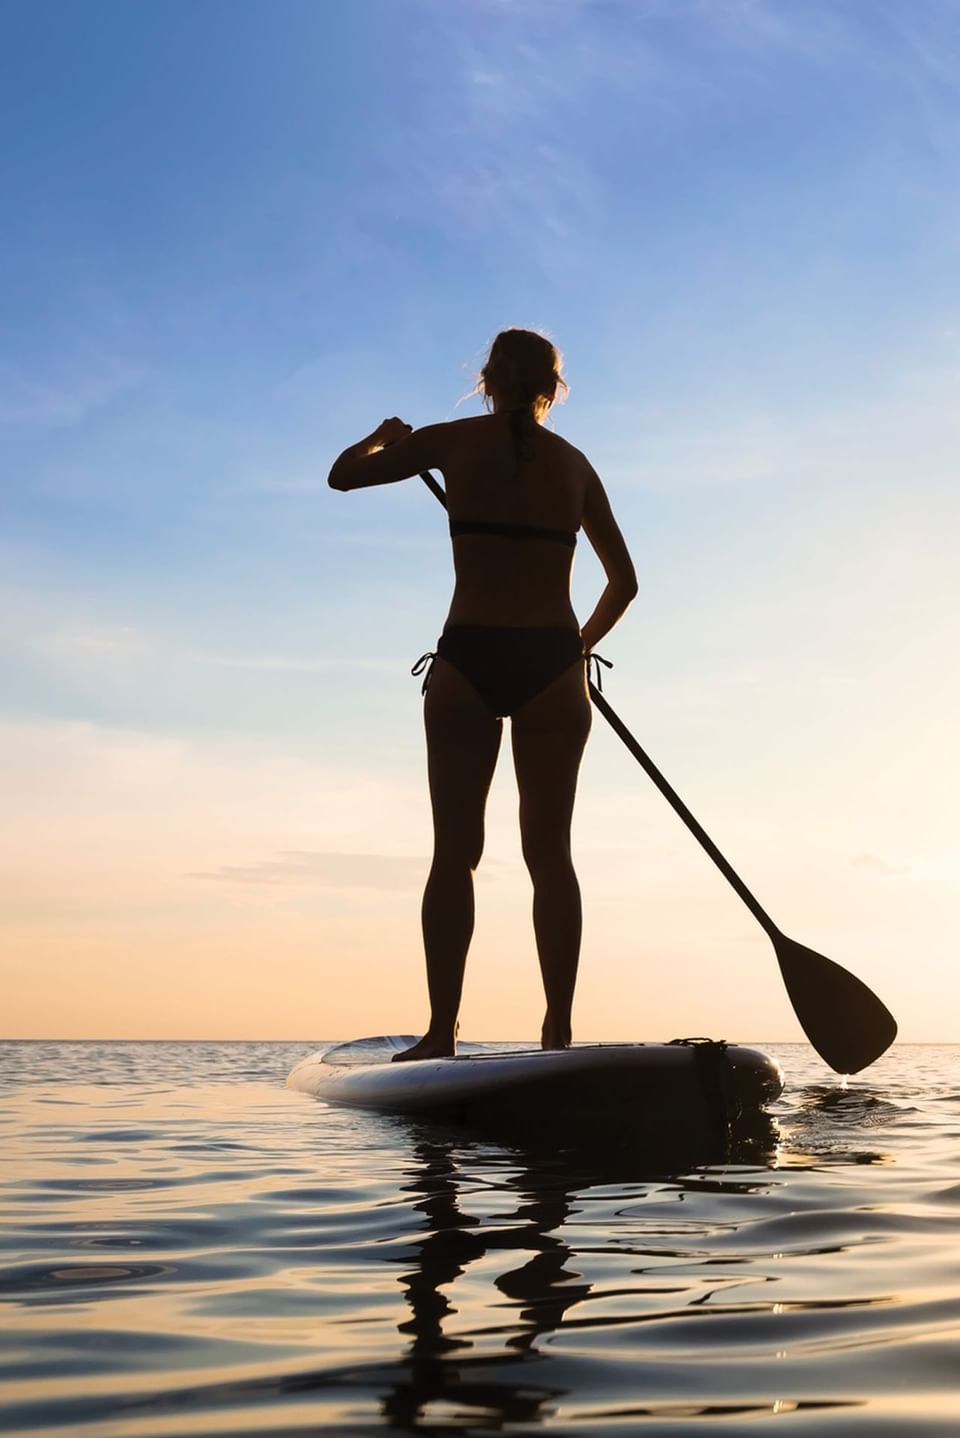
x=512, y=646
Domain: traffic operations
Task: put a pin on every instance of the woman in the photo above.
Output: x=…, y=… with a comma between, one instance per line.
x=516, y=494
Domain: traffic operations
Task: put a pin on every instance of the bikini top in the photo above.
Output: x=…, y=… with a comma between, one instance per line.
x=512, y=531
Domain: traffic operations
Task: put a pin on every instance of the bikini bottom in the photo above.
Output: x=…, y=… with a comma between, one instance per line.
x=507, y=666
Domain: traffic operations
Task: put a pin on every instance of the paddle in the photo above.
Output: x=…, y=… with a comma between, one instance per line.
x=844, y=1020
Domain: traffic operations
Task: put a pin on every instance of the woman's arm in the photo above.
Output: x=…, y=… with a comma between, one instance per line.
x=392, y=452
x=603, y=532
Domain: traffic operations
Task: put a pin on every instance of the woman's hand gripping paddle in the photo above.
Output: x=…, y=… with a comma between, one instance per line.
x=845, y=1022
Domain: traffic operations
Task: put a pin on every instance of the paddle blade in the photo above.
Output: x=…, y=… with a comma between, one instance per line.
x=846, y=1023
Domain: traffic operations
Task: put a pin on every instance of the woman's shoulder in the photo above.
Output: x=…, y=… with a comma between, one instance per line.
x=568, y=449
x=467, y=423
x=457, y=432
x=572, y=460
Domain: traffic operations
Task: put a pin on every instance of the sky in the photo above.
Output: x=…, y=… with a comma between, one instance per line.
x=239, y=234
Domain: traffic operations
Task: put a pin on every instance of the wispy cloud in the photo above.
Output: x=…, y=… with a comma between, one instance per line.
x=93, y=642
x=876, y=865
x=484, y=144
x=65, y=393
x=327, y=869
x=38, y=625
x=929, y=868
x=767, y=27
x=303, y=482
x=937, y=868
x=101, y=801
x=293, y=663
x=909, y=425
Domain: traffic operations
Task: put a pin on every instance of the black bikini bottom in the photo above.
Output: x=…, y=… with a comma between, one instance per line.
x=506, y=666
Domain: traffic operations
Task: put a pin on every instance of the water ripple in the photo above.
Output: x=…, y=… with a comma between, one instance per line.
x=243, y=1259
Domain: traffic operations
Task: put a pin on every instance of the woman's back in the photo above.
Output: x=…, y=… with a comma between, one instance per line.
x=519, y=578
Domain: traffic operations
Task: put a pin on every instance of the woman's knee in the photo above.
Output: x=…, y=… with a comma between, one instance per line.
x=547, y=856
x=458, y=851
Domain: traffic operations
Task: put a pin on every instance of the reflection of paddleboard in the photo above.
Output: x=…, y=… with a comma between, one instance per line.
x=686, y=1079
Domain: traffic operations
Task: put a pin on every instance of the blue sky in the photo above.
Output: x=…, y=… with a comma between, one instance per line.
x=238, y=235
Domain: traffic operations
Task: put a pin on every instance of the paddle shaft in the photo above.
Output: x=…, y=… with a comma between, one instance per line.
x=668, y=792
x=673, y=798
x=434, y=488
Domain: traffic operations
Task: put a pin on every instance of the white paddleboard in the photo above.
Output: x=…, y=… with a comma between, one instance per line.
x=683, y=1078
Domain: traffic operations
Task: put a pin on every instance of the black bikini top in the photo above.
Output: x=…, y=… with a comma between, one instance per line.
x=512, y=531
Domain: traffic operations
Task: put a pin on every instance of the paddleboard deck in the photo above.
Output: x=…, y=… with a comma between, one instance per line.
x=694, y=1079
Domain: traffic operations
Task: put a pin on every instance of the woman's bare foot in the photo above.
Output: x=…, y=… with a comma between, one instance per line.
x=555, y=1035
x=429, y=1047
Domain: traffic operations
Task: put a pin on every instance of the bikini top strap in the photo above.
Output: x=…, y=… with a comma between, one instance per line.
x=512, y=531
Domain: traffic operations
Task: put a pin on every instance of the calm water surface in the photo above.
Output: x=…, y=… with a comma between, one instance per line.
x=188, y=1248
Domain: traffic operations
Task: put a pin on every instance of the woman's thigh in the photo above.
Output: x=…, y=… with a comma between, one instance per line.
x=549, y=735
x=463, y=741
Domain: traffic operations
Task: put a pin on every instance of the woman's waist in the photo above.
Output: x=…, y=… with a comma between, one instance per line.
x=456, y=627
x=556, y=613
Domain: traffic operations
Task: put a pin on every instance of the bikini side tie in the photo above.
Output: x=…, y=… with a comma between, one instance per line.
x=424, y=666
x=596, y=676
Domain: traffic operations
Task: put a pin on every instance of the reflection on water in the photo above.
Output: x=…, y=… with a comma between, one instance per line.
x=537, y=1277
x=214, y=1256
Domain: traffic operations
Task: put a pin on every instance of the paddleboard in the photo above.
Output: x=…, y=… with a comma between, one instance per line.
x=687, y=1078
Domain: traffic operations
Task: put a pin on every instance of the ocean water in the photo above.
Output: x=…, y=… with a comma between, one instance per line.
x=189, y=1248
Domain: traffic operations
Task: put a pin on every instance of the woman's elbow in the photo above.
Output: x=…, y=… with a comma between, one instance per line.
x=627, y=587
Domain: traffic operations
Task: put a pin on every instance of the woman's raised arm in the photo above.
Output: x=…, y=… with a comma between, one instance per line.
x=392, y=452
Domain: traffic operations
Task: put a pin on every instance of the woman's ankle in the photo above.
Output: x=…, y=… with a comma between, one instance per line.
x=556, y=1033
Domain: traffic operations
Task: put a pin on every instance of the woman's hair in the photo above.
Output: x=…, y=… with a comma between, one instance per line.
x=522, y=373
